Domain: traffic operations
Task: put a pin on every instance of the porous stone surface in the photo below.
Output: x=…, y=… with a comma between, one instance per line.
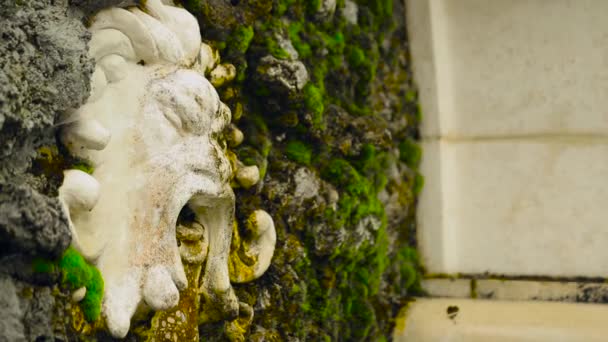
x=44, y=71
x=11, y=315
x=90, y=7
x=336, y=157
x=326, y=9
x=284, y=75
x=31, y=222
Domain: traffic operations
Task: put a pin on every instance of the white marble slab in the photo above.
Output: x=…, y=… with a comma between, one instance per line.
x=516, y=207
x=511, y=67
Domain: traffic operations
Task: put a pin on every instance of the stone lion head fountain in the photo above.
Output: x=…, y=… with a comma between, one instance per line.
x=152, y=128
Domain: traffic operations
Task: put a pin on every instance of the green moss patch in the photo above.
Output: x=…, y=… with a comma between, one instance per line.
x=313, y=97
x=299, y=152
x=344, y=265
x=410, y=153
x=240, y=39
x=77, y=273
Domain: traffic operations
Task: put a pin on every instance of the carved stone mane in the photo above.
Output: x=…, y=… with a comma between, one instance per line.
x=151, y=128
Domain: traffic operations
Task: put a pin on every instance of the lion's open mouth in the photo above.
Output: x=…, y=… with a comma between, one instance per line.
x=192, y=238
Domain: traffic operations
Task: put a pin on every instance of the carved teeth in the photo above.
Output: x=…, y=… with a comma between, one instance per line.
x=177, y=272
x=122, y=296
x=248, y=176
x=218, y=305
x=159, y=290
x=191, y=234
x=194, y=243
x=85, y=133
x=79, y=191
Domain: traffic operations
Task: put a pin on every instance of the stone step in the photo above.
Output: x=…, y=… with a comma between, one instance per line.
x=471, y=320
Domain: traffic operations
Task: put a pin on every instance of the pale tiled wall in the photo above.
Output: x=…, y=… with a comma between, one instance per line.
x=515, y=101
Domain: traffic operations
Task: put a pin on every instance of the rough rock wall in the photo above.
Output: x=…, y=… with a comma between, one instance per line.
x=325, y=97
x=44, y=71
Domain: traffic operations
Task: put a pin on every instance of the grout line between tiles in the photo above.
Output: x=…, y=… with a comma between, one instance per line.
x=586, y=138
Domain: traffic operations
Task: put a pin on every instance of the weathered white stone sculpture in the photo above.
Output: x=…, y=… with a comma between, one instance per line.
x=152, y=129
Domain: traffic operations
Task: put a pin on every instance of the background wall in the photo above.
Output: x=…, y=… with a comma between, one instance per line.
x=515, y=135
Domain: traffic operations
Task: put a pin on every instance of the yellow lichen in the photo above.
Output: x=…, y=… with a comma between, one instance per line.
x=241, y=263
x=400, y=321
x=181, y=322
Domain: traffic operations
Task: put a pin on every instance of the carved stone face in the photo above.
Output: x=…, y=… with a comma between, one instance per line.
x=152, y=134
x=162, y=157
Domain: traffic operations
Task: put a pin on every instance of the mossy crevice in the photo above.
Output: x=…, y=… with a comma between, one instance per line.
x=76, y=273
x=345, y=260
